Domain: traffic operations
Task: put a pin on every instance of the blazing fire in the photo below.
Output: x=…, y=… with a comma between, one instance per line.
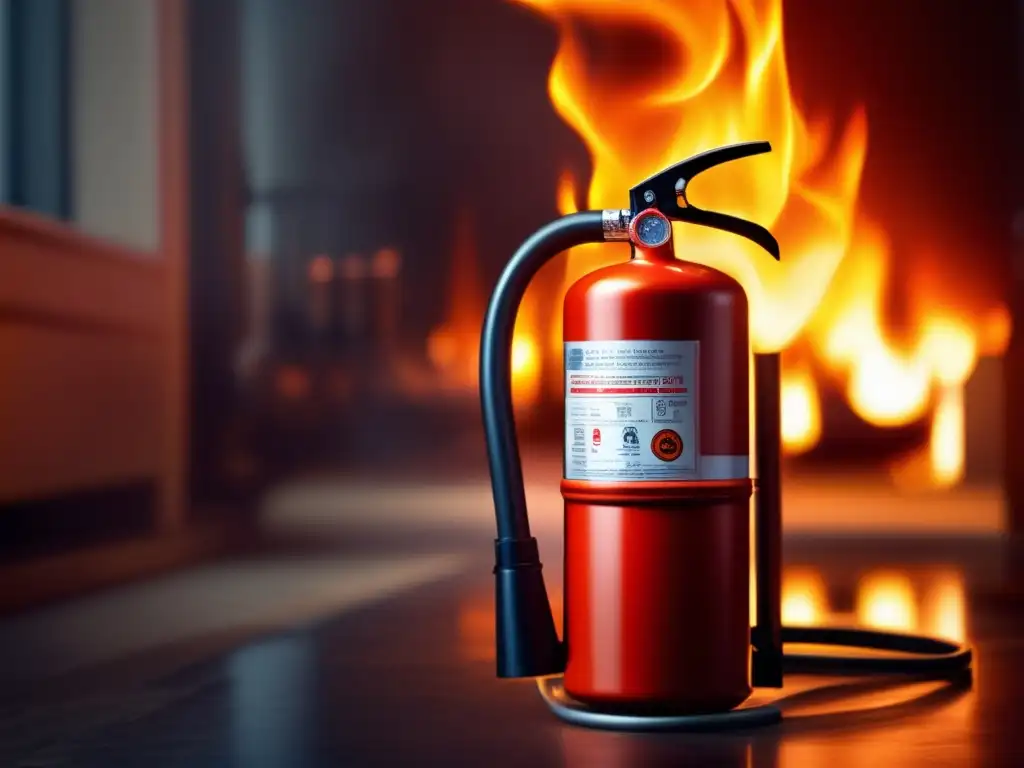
x=453, y=346
x=713, y=73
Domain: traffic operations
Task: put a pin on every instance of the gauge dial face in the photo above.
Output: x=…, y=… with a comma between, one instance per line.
x=652, y=230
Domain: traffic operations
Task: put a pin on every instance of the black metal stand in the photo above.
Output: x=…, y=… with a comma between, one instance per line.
x=766, y=636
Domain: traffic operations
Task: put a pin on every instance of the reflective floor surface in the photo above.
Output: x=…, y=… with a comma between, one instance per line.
x=392, y=665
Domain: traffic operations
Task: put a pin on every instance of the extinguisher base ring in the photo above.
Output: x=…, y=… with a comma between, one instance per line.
x=567, y=709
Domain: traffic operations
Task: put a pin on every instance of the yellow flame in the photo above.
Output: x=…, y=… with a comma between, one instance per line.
x=801, y=410
x=945, y=607
x=718, y=75
x=525, y=366
x=713, y=87
x=893, y=385
x=565, y=197
x=946, y=448
x=453, y=346
x=804, y=597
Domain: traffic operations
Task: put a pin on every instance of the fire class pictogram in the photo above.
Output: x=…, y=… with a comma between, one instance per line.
x=667, y=445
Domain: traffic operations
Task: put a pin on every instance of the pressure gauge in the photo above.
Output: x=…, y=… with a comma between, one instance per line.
x=651, y=229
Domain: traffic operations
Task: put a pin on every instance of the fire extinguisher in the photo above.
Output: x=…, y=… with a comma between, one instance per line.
x=657, y=537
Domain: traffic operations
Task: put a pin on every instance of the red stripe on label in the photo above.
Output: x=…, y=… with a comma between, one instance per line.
x=627, y=390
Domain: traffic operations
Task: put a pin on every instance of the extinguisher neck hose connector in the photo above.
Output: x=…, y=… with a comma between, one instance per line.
x=527, y=640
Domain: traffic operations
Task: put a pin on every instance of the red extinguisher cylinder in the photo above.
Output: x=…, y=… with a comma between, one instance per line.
x=657, y=484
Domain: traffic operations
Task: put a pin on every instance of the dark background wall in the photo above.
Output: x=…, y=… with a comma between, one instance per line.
x=456, y=109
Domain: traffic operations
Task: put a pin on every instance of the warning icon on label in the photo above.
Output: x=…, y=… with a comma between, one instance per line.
x=667, y=445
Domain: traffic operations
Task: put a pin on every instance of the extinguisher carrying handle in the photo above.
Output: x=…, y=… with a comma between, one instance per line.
x=666, y=191
x=527, y=641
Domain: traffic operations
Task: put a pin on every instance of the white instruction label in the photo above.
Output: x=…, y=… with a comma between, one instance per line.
x=631, y=410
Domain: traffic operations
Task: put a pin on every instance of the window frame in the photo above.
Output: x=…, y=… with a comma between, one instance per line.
x=36, y=107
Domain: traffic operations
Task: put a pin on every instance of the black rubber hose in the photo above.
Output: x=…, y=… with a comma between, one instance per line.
x=527, y=642
x=496, y=366
x=930, y=656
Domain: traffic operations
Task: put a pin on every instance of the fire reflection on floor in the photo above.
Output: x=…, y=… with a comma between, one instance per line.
x=931, y=602
x=927, y=600
x=839, y=721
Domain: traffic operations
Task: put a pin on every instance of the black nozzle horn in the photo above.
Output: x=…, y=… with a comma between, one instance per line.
x=527, y=641
x=528, y=644
x=666, y=191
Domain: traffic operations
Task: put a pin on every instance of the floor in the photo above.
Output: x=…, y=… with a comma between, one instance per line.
x=366, y=640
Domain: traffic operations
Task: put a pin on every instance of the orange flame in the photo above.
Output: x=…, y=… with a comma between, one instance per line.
x=804, y=597
x=801, y=410
x=449, y=343
x=453, y=347
x=714, y=73
x=703, y=96
x=704, y=75
x=945, y=606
